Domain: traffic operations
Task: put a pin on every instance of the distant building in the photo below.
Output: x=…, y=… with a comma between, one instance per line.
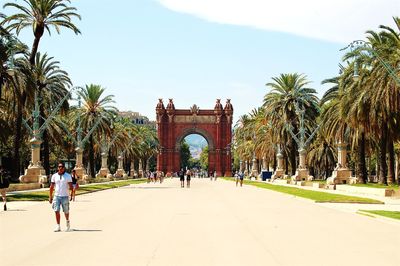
x=137, y=118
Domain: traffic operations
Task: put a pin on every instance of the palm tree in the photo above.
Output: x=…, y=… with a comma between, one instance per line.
x=287, y=91
x=96, y=110
x=52, y=85
x=41, y=15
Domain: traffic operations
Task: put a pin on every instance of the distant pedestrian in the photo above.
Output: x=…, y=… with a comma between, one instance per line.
x=215, y=175
x=240, y=178
x=188, y=177
x=75, y=184
x=61, y=182
x=4, y=184
x=181, y=174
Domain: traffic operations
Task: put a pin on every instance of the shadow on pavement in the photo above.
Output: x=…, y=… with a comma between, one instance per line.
x=86, y=230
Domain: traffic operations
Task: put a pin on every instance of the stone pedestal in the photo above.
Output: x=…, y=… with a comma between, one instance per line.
x=341, y=174
x=35, y=172
x=254, y=168
x=302, y=173
x=264, y=164
x=246, y=167
x=120, y=171
x=279, y=172
x=140, y=168
x=132, y=171
x=79, y=168
x=103, y=172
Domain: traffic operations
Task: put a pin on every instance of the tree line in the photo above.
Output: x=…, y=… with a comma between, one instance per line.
x=361, y=108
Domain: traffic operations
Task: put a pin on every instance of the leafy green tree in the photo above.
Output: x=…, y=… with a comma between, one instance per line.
x=287, y=90
x=185, y=154
x=40, y=15
x=204, y=158
x=97, y=109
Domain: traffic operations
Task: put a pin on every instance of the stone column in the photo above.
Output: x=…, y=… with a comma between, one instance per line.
x=246, y=167
x=141, y=168
x=133, y=173
x=254, y=168
x=302, y=171
x=35, y=172
x=241, y=166
x=341, y=174
x=279, y=172
x=120, y=171
x=103, y=172
x=79, y=168
x=264, y=163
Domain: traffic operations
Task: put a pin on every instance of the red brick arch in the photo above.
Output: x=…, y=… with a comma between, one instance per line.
x=215, y=125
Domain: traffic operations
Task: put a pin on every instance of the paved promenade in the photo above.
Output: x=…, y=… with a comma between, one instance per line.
x=212, y=223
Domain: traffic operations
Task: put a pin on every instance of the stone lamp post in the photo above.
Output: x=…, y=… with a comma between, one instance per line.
x=35, y=172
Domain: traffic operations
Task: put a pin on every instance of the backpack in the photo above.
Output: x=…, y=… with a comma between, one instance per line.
x=4, y=182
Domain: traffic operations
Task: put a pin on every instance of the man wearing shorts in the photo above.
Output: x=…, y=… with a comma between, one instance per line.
x=61, y=182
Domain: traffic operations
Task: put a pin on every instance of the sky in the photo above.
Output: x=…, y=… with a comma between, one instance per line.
x=197, y=51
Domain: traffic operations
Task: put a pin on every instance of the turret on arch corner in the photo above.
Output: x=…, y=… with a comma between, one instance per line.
x=215, y=125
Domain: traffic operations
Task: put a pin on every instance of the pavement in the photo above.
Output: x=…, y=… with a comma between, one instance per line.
x=211, y=223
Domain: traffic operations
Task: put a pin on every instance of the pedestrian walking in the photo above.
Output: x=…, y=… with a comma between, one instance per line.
x=188, y=177
x=215, y=175
x=75, y=184
x=61, y=182
x=240, y=178
x=4, y=184
x=181, y=174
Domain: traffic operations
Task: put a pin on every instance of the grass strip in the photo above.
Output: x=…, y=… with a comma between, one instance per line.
x=44, y=194
x=389, y=214
x=375, y=185
x=317, y=196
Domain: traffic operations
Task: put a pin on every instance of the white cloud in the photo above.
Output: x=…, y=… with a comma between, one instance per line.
x=337, y=21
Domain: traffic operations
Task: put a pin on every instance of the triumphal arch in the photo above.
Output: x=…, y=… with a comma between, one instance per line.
x=215, y=125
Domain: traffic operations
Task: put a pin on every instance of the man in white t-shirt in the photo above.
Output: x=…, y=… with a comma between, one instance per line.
x=61, y=182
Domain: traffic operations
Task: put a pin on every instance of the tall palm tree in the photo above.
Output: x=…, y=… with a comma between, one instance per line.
x=96, y=109
x=41, y=15
x=287, y=91
x=52, y=85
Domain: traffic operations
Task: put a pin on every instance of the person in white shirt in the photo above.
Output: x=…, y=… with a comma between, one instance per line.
x=61, y=182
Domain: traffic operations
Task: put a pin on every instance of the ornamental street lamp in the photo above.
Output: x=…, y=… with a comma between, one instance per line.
x=120, y=171
x=342, y=174
x=254, y=166
x=302, y=143
x=279, y=172
x=360, y=45
x=80, y=143
x=35, y=172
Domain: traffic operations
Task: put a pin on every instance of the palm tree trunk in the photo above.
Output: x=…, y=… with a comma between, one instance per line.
x=293, y=156
x=91, y=158
x=377, y=168
x=398, y=167
x=362, y=169
x=327, y=173
x=382, y=156
x=391, y=163
x=15, y=170
x=46, y=152
x=35, y=47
